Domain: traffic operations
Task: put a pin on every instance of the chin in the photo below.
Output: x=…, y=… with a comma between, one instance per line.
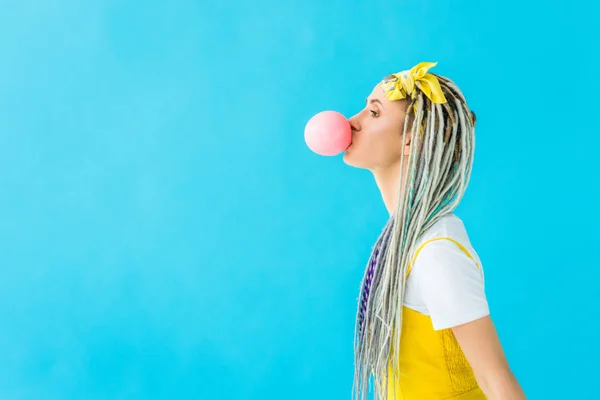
x=350, y=159
x=347, y=158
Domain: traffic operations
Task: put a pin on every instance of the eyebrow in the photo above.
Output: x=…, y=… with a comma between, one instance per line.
x=374, y=101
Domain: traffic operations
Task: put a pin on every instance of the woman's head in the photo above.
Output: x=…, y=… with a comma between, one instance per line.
x=377, y=130
x=418, y=124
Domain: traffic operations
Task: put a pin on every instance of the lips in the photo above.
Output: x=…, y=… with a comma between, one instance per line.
x=351, y=142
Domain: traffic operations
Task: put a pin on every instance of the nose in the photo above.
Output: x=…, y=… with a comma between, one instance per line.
x=354, y=123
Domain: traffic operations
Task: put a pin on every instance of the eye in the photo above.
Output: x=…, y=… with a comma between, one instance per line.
x=374, y=113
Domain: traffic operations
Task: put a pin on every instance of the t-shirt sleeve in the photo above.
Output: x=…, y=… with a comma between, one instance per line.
x=451, y=285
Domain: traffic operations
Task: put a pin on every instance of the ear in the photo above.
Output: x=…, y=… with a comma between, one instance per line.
x=408, y=120
x=407, y=144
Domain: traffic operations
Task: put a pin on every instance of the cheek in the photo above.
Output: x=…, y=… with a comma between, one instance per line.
x=379, y=146
x=378, y=140
x=389, y=143
x=390, y=136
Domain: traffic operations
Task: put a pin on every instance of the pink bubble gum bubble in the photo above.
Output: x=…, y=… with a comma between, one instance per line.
x=328, y=133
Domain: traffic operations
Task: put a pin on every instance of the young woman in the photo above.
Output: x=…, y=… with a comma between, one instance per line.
x=423, y=328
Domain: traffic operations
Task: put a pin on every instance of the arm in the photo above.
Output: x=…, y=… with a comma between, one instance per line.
x=480, y=344
x=451, y=284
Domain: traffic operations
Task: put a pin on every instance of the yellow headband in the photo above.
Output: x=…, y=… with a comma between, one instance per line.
x=403, y=84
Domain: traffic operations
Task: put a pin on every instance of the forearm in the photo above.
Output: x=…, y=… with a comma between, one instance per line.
x=501, y=386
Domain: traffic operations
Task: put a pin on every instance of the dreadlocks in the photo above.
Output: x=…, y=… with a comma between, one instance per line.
x=438, y=172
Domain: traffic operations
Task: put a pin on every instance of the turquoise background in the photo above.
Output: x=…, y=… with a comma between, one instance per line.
x=166, y=234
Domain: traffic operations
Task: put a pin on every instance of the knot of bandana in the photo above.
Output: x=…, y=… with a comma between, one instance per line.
x=402, y=84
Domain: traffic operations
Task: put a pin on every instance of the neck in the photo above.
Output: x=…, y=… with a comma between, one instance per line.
x=388, y=182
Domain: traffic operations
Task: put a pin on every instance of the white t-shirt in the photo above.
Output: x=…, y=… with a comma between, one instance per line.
x=444, y=282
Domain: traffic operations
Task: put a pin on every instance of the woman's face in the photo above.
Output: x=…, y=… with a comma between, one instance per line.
x=377, y=133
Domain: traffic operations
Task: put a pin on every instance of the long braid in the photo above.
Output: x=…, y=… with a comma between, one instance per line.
x=438, y=172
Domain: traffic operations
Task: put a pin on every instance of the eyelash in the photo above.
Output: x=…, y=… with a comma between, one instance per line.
x=374, y=113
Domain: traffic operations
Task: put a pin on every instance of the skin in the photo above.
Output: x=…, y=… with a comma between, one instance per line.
x=377, y=146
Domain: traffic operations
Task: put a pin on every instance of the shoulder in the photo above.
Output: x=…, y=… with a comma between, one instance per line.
x=448, y=274
x=448, y=236
x=449, y=225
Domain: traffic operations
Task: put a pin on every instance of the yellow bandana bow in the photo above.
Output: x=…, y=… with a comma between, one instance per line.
x=403, y=84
